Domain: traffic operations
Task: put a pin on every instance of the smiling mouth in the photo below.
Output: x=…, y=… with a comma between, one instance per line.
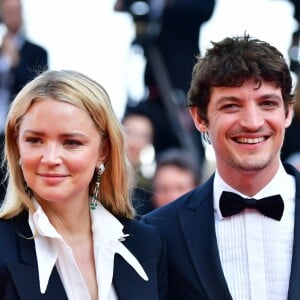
x=250, y=140
x=52, y=175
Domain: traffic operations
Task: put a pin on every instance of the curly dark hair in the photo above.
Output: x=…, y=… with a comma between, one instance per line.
x=234, y=60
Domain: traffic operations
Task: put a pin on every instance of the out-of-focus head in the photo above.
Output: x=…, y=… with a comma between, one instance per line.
x=11, y=14
x=175, y=175
x=139, y=132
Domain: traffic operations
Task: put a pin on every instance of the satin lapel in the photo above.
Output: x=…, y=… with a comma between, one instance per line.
x=294, y=286
x=197, y=221
x=25, y=274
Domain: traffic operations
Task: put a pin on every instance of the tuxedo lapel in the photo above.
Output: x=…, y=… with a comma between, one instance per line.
x=25, y=273
x=197, y=221
x=294, y=286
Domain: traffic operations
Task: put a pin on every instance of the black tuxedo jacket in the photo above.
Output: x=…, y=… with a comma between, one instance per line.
x=195, y=271
x=19, y=273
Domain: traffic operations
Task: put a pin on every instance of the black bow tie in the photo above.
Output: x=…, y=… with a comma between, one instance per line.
x=231, y=204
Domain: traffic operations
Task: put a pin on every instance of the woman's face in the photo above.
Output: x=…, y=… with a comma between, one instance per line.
x=60, y=148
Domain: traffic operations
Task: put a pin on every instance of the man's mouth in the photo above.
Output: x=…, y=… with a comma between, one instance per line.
x=243, y=140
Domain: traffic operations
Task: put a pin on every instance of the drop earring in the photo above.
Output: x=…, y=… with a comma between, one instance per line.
x=99, y=172
x=206, y=137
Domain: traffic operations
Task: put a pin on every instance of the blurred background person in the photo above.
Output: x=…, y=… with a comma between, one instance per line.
x=168, y=33
x=139, y=134
x=294, y=50
x=291, y=143
x=176, y=174
x=20, y=61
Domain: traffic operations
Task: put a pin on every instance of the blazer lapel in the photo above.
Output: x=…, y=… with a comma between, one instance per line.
x=25, y=274
x=127, y=282
x=197, y=221
x=129, y=285
x=294, y=286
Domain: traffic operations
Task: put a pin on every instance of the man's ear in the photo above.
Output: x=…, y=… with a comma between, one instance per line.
x=200, y=124
x=289, y=115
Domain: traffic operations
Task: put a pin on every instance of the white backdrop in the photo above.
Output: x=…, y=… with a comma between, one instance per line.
x=90, y=37
x=87, y=36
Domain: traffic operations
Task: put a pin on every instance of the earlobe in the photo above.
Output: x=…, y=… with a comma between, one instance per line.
x=200, y=124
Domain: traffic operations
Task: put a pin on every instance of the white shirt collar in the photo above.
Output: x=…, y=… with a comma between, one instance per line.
x=273, y=187
x=107, y=237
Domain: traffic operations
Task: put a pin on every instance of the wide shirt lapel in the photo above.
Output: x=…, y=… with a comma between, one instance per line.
x=25, y=274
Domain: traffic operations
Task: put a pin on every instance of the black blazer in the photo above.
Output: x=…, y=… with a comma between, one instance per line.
x=19, y=273
x=195, y=271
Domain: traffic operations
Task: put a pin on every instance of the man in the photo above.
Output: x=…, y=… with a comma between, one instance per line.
x=240, y=99
x=20, y=59
x=176, y=174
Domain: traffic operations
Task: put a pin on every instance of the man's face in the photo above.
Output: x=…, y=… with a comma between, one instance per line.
x=246, y=126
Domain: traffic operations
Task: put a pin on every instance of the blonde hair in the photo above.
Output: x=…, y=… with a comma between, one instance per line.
x=83, y=92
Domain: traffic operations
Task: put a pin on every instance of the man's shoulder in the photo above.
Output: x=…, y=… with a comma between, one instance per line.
x=191, y=200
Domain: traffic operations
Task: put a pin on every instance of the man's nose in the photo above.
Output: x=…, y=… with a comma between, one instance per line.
x=251, y=118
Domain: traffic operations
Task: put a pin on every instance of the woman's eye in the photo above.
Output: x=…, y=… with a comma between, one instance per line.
x=33, y=140
x=72, y=143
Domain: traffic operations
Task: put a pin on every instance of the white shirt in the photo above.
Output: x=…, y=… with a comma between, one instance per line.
x=256, y=251
x=52, y=250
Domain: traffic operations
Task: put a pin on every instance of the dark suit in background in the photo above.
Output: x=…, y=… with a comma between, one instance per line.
x=177, y=44
x=33, y=59
x=20, y=61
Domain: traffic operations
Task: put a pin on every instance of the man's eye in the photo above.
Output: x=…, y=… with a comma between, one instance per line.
x=229, y=106
x=269, y=104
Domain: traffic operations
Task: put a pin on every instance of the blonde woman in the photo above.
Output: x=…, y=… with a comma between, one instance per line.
x=66, y=227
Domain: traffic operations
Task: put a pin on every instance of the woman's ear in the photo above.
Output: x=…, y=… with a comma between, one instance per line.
x=200, y=124
x=104, y=150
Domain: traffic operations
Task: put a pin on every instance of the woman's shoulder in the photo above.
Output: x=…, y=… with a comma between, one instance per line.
x=136, y=227
x=141, y=235
x=11, y=229
x=143, y=240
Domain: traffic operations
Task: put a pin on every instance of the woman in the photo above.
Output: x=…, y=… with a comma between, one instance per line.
x=66, y=223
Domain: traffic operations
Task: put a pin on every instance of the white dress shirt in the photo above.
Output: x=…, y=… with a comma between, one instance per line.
x=52, y=250
x=256, y=251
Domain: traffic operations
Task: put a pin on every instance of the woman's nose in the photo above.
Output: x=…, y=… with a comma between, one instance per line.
x=51, y=154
